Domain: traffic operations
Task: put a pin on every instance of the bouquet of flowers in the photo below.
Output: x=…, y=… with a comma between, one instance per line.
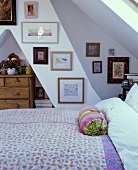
x=9, y=63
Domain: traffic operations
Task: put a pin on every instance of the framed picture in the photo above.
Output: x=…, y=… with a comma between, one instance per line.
x=117, y=68
x=97, y=66
x=8, y=12
x=61, y=61
x=30, y=9
x=39, y=93
x=40, y=55
x=40, y=32
x=111, y=52
x=93, y=49
x=70, y=90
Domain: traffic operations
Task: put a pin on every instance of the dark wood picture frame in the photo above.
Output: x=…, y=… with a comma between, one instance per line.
x=70, y=90
x=9, y=17
x=92, y=49
x=117, y=68
x=97, y=66
x=39, y=93
x=40, y=55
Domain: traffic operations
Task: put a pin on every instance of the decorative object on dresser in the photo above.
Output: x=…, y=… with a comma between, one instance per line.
x=16, y=91
x=117, y=68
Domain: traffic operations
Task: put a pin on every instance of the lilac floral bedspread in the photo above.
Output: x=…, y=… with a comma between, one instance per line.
x=49, y=139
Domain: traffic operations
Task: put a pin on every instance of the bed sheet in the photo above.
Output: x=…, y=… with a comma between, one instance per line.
x=49, y=138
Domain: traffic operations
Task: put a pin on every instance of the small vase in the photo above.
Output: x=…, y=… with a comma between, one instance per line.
x=11, y=71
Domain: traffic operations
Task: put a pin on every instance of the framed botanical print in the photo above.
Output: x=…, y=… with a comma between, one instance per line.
x=117, y=68
x=70, y=90
x=40, y=55
x=8, y=12
x=93, y=49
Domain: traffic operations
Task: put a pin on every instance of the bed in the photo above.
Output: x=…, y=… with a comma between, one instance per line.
x=50, y=139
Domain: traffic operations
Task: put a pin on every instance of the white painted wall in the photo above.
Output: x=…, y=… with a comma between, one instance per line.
x=49, y=78
x=81, y=28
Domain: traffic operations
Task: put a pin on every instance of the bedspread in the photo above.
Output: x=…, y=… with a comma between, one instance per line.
x=50, y=139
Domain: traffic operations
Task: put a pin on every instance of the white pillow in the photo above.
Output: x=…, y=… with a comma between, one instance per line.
x=132, y=97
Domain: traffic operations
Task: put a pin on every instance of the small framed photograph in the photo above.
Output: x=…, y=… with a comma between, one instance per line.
x=61, y=61
x=70, y=90
x=97, y=66
x=93, y=49
x=117, y=68
x=40, y=32
x=111, y=52
x=39, y=93
x=40, y=55
x=8, y=12
x=30, y=9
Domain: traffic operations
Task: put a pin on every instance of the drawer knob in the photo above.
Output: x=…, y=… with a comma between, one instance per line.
x=17, y=93
x=17, y=80
x=16, y=105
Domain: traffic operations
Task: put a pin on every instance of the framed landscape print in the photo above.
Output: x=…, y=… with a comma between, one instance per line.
x=61, y=61
x=92, y=49
x=8, y=12
x=40, y=55
x=30, y=9
x=40, y=32
x=70, y=90
x=117, y=68
x=97, y=66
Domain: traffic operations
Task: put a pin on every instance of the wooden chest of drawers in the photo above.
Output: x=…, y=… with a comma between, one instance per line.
x=16, y=91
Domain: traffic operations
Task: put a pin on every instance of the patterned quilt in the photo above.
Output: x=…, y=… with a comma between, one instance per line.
x=49, y=139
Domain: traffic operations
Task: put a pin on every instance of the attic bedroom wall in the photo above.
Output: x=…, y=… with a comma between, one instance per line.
x=48, y=78
x=81, y=29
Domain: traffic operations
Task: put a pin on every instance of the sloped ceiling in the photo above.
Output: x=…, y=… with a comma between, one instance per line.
x=112, y=24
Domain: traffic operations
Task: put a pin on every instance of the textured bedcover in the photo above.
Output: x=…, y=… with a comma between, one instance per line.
x=50, y=139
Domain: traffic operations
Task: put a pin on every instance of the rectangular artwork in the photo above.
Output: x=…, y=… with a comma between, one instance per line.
x=111, y=52
x=61, y=61
x=30, y=9
x=117, y=68
x=40, y=55
x=97, y=66
x=39, y=93
x=40, y=32
x=70, y=90
x=8, y=12
x=93, y=49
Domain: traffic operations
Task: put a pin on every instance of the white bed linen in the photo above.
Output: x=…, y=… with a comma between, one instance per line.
x=123, y=130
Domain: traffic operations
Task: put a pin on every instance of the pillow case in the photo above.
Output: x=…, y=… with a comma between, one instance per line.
x=132, y=97
x=92, y=121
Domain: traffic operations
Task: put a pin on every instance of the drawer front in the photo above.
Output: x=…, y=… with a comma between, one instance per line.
x=1, y=82
x=14, y=93
x=16, y=82
x=12, y=104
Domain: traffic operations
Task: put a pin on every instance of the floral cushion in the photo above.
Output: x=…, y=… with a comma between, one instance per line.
x=92, y=122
